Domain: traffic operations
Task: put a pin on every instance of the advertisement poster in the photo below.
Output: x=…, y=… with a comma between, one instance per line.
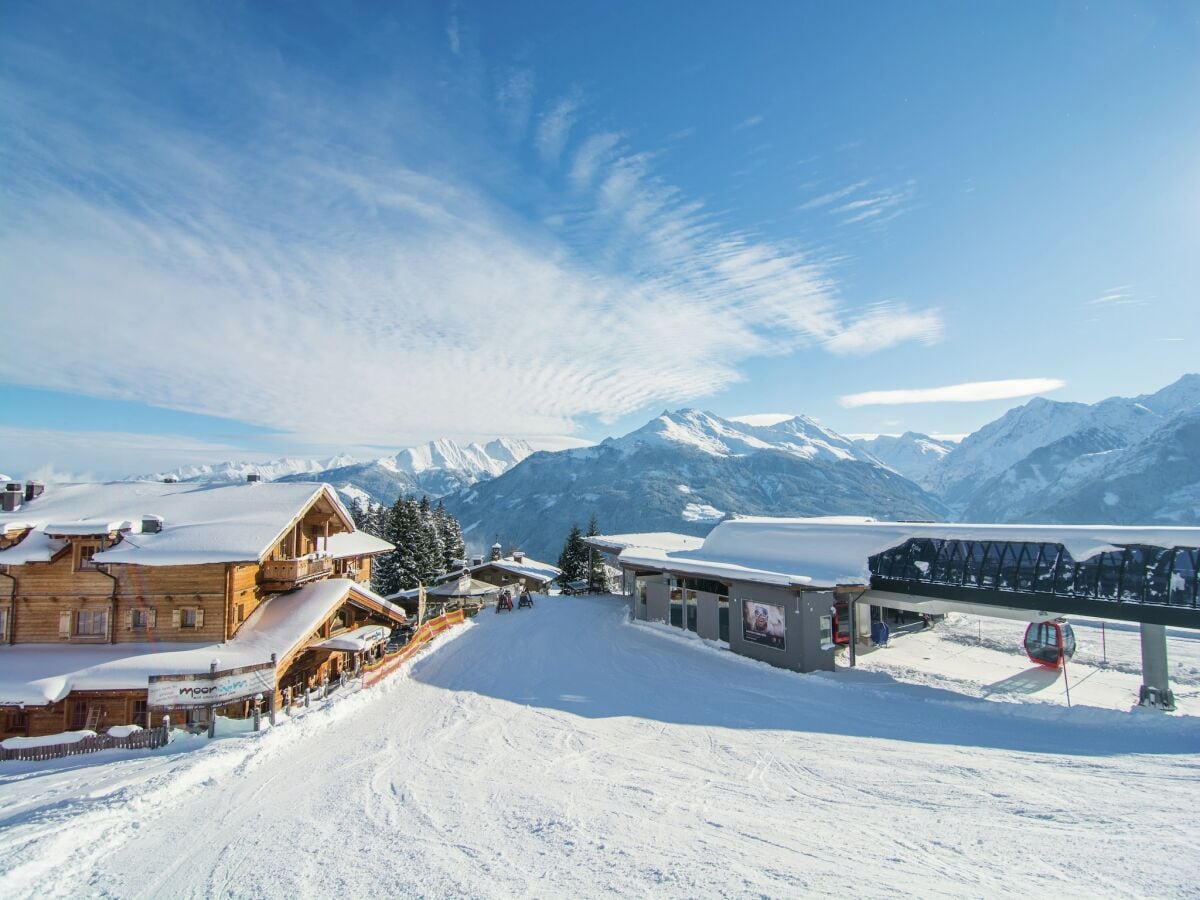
x=763, y=623
x=210, y=689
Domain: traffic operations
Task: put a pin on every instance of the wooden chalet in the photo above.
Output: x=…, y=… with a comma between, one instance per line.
x=107, y=588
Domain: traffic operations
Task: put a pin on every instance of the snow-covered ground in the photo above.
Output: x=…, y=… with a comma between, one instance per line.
x=982, y=657
x=566, y=752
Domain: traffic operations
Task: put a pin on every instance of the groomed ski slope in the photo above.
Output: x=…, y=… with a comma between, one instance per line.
x=566, y=752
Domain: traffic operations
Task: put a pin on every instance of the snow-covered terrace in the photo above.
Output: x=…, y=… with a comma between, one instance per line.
x=829, y=551
x=201, y=523
x=38, y=674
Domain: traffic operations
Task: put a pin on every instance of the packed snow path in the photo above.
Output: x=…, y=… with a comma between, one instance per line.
x=565, y=752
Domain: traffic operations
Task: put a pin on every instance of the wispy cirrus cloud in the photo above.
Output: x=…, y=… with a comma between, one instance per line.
x=1123, y=295
x=885, y=325
x=750, y=122
x=833, y=196
x=880, y=206
x=968, y=392
x=360, y=291
x=555, y=126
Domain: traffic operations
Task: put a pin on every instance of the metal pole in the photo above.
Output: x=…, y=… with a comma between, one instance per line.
x=1066, y=681
x=852, y=607
x=1103, y=644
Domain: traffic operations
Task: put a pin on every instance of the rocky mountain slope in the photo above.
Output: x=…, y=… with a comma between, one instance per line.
x=683, y=471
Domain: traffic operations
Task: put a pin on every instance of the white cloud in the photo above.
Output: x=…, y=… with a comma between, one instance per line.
x=970, y=392
x=594, y=151
x=336, y=293
x=1118, y=296
x=763, y=420
x=555, y=127
x=831, y=196
x=886, y=325
x=749, y=123
x=881, y=206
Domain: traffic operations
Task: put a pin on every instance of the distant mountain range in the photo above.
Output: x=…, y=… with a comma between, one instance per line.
x=434, y=469
x=1121, y=461
x=684, y=471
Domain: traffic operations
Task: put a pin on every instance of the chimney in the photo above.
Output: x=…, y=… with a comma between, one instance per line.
x=477, y=560
x=152, y=524
x=10, y=500
x=33, y=490
x=169, y=479
x=253, y=477
x=518, y=556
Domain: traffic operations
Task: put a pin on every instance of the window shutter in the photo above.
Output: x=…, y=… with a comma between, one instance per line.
x=150, y=617
x=129, y=620
x=199, y=617
x=64, y=623
x=175, y=617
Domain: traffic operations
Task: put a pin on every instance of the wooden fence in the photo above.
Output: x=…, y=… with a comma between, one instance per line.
x=377, y=671
x=147, y=739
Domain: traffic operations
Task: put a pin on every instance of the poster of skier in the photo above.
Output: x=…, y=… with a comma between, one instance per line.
x=763, y=623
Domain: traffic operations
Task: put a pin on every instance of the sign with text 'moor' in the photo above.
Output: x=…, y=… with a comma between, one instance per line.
x=210, y=688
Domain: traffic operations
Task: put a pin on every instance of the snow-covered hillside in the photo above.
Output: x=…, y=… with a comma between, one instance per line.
x=684, y=471
x=566, y=752
x=915, y=456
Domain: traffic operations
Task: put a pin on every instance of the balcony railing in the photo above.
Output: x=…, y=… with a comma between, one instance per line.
x=285, y=573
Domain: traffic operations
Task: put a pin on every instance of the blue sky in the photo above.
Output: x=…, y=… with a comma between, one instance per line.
x=360, y=226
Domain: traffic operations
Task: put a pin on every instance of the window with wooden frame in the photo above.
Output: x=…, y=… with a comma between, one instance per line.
x=140, y=713
x=140, y=618
x=188, y=617
x=84, y=551
x=91, y=623
x=79, y=715
x=17, y=721
x=241, y=612
x=3, y=623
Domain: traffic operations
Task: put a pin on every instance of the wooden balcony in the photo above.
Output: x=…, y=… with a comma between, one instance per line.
x=283, y=574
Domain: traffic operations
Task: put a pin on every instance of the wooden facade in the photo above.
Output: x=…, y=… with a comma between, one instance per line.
x=72, y=600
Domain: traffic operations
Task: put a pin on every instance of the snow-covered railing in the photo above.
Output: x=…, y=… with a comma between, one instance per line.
x=145, y=739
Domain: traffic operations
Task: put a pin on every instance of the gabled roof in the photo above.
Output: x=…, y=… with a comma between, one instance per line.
x=202, y=523
x=526, y=568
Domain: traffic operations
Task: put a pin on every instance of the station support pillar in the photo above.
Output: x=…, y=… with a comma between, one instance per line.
x=1156, y=689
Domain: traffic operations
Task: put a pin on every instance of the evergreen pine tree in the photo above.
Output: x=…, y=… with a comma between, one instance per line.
x=573, y=559
x=432, y=558
x=597, y=575
x=357, y=515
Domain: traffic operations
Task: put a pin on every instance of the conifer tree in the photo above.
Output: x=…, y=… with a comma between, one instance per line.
x=357, y=514
x=573, y=560
x=597, y=576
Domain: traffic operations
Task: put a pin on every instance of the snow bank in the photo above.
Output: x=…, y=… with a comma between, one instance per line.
x=46, y=740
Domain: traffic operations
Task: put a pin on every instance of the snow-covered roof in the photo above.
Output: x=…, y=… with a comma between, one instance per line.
x=37, y=674
x=356, y=543
x=202, y=523
x=657, y=540
x=835, y=550
x=354, y=641
x=526, y=568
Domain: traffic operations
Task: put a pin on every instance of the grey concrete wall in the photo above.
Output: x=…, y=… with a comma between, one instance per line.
x=658, y=603
x=707, y=625
x=802, y=650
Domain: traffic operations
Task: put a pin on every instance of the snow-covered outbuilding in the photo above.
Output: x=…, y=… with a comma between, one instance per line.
x=114, y=595
x=511, y=572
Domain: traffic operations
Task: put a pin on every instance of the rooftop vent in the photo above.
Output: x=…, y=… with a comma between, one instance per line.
x=477, y=560
x=14, y=486
x=10, y=500
x=253, y=477
x=152, y=524
x=33, y=490
x=518, y=556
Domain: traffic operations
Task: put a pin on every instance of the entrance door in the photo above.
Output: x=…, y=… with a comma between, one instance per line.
x=723, y=619
x=691, y=610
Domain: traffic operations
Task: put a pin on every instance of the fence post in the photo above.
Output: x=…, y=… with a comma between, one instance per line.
x=258, y=698
x=307, y=694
